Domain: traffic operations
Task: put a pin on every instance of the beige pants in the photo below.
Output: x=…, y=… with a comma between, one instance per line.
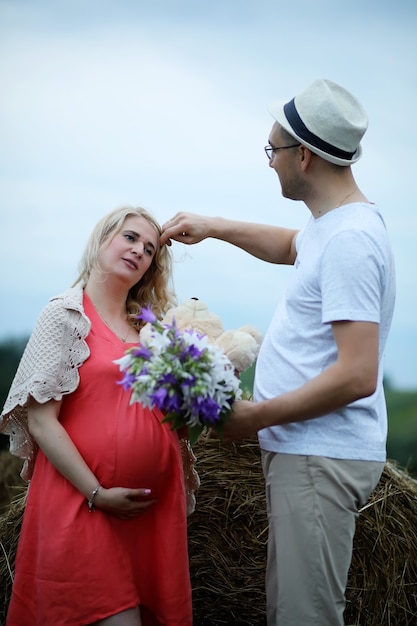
x=312, y=509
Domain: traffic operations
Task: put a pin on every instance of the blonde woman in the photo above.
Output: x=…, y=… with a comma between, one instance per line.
x=104, y=533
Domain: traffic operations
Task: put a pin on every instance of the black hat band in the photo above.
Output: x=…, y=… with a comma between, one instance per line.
x=302, y=131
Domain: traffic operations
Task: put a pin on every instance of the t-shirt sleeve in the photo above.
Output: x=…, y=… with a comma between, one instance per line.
x=351, y=278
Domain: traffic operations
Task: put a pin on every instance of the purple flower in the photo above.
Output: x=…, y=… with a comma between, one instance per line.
x=127, y=381
x=208, y=410
x=164, y=401
x=141, y=352
x=173, y=404
x=158, y=398
x=189, y=381
x=169, y=379
x=174, y=333
x=196, y=333
x=147, y=315
x=192, y=352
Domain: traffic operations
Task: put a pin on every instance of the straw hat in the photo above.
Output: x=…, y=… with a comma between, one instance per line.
x=327, y=119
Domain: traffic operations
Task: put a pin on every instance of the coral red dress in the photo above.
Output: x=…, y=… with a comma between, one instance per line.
x=74, y=567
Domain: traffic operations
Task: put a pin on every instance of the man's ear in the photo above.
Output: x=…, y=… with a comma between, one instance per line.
x=305, y=157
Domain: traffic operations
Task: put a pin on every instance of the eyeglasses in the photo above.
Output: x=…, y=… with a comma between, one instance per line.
x=269, y=150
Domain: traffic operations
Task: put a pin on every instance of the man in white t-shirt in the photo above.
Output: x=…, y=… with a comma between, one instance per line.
x=319, y=407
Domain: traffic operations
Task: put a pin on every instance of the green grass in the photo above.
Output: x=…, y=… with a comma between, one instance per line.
x=402, y=428
x=402, y=412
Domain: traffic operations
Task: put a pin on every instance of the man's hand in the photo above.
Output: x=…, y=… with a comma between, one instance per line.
x=241, y=423
x=186, y=228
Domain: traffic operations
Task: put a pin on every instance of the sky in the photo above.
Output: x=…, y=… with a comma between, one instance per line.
x=163, y=105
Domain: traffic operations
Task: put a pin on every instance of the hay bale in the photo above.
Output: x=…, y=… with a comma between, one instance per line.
x=10, y=524
x=228, y=534
x=12, y=497
x=382, y=582
x=10, y=481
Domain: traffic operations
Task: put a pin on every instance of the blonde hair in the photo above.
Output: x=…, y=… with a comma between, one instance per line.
x=155, y=287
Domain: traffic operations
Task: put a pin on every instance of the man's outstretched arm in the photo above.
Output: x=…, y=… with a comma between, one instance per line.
x=268, y=243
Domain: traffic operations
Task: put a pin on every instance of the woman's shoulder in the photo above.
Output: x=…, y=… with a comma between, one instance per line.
x=60, y=305
x=71, y=298
x=63, y=316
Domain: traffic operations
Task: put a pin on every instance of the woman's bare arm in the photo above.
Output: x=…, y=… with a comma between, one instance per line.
x=58, y=447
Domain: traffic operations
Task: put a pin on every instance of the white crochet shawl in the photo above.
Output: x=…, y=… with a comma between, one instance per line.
x=48, y=368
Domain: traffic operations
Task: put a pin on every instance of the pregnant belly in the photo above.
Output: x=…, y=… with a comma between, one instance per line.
x=146, y=459
x=133, y=450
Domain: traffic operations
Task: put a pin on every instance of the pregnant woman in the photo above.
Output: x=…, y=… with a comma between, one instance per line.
x=104, y=535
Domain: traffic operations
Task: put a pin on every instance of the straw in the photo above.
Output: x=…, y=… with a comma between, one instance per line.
x=227, y=544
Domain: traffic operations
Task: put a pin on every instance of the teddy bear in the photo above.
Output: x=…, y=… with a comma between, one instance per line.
x=241, y=346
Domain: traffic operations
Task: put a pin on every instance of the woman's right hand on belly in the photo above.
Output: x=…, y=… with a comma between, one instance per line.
x=124, y=503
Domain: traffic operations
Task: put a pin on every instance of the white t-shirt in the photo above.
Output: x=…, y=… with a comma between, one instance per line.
x=344, y=270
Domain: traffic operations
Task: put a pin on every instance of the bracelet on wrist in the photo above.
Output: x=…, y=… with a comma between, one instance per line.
x=90, y=502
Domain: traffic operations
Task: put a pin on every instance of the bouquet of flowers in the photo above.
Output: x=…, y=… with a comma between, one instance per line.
x=188, y=379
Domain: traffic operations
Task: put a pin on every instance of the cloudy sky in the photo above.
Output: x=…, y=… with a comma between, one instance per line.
x=163, y=104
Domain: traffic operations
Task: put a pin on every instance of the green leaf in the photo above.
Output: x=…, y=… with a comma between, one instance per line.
x=194, y=433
